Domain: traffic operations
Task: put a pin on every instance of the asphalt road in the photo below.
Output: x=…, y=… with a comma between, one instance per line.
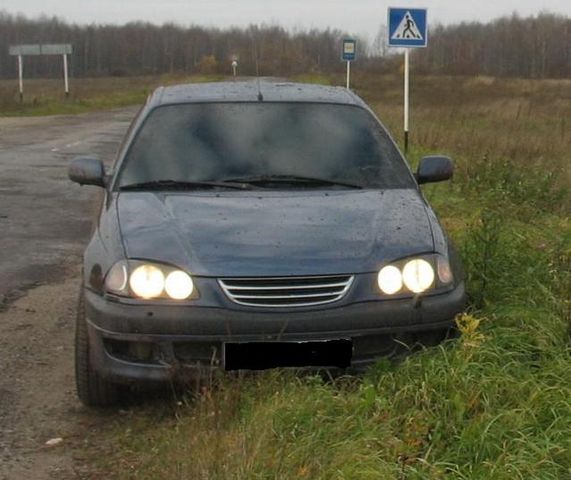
x=44, y=218
x=45, y=222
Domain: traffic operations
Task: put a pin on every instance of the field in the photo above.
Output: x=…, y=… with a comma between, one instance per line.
x=46, y=97
x=493, y=404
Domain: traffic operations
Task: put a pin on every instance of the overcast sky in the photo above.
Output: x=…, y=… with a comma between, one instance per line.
x=353, y=16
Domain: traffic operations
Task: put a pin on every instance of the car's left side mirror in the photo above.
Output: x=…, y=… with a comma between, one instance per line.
x=87, y=171
x=435, y=168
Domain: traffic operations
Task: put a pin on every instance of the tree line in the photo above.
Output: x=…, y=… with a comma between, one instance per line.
x=534, y=47
x=140, y=48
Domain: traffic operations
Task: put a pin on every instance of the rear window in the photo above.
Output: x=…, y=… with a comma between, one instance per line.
x=218, y=141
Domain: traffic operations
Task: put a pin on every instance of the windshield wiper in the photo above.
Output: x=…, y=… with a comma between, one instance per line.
x=183, y=185
x=261, y=179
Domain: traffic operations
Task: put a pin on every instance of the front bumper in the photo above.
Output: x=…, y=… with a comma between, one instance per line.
x=182, y=339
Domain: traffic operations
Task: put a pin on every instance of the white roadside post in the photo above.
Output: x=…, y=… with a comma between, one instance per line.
x=234, y=62
x=65, y=76
x=406, y=97
x=408, y=28
x=21, y=77
x=348, y=55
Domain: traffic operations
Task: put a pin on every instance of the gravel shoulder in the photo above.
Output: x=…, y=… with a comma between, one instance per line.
x=45, y=222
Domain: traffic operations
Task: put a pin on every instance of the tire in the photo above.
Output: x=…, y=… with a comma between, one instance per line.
x=92, y=389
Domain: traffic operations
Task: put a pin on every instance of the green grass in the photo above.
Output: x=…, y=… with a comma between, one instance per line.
x=494, y=404
x=318, y=78
x=45, y=97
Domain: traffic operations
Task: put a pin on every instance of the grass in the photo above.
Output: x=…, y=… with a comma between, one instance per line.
x=46, y=97
x=494, y=404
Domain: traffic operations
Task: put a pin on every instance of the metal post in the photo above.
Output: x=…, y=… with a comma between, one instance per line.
x=348, y=74
x=21, y=77
x=406, y=97
x=65, y=75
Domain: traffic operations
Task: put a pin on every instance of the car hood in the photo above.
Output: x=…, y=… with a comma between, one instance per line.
x=274, y=233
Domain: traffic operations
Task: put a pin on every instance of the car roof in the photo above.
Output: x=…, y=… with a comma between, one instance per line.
x=255, y=90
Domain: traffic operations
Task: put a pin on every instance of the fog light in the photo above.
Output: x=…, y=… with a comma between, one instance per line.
x=141, y=351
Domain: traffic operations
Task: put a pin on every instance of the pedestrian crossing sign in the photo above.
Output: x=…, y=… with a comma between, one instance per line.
x=408, y=27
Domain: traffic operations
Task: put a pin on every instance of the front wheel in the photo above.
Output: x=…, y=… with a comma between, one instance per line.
x=92, y=389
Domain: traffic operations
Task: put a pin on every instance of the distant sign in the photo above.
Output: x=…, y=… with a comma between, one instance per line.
x=25, y=50
x=56, y=49
x=349, y=50
x=408, y=27
x=47, y=49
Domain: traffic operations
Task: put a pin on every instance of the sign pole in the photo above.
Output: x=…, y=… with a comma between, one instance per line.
x=21, y=77
x=20, y=51
x=65, y=76
x=348, y=54
x=406, y=97
x=408, y=28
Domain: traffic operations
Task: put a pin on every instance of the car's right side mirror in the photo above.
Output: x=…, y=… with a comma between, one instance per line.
x=435, y=168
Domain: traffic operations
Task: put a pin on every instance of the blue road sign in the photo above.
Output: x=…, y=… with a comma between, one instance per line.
x=408, y=27
x=349, y=50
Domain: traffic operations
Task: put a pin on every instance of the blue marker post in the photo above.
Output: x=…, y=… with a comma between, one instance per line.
x=408, y=28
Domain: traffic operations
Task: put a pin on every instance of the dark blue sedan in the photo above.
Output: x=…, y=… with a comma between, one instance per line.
x=257, y=225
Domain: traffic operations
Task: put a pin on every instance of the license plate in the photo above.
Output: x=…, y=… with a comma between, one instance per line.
x=265, y=355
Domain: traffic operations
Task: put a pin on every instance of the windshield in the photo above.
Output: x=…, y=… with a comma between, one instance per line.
x=217, y=142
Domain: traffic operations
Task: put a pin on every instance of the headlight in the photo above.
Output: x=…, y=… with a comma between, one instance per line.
x=179, y=285
x=390, y=280
x=415, y=275
x=418, y=275
x=146, y=280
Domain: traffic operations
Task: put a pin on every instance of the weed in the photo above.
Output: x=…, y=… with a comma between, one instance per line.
x=481, y=250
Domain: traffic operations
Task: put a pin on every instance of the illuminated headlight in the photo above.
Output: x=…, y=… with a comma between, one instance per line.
x=418, y=275
x=415, y=275
x=179, y=285
x=390, y=280
x=148, y=280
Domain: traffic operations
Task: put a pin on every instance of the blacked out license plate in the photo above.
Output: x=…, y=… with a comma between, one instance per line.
x=265, y=355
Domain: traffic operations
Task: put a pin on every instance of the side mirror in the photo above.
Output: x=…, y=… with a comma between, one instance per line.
x=435, y=168
x=87, y=171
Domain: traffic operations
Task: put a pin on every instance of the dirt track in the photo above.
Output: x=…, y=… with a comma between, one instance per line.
x=45, y=222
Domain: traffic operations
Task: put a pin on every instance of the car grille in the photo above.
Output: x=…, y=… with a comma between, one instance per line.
x=284, y=292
